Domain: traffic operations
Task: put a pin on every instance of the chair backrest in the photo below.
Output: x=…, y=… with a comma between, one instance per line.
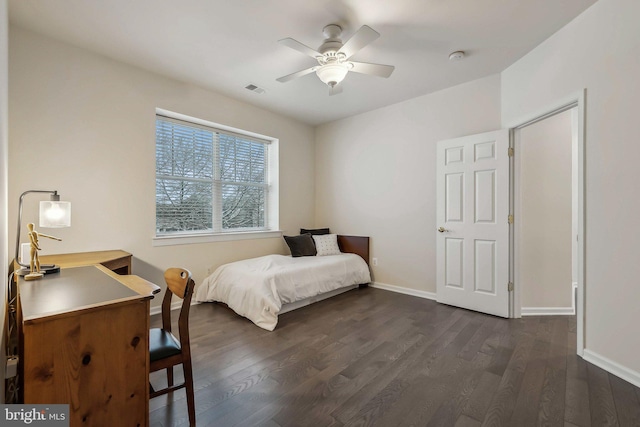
x=177, y=280
x=180, y=284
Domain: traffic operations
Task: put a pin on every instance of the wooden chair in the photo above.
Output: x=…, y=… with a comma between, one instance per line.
x=165, y=351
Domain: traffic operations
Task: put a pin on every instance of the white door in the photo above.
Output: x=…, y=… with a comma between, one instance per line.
x=473, y=222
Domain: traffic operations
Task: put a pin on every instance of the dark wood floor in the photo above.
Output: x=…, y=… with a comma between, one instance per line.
x=373, y=357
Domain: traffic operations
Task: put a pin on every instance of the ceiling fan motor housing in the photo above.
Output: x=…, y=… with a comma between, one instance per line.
x=332, y=43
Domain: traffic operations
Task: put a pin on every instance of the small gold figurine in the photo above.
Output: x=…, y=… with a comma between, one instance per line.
x=34, y=263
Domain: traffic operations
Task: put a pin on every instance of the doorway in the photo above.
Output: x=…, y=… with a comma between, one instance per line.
x=576, y=102
x=452, y=207
x=545, y=203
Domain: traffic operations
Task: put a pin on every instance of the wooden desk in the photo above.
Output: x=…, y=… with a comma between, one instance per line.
x=84, y=340
x=117, y=260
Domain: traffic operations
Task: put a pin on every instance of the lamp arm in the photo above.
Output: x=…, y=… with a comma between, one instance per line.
x=53, y=193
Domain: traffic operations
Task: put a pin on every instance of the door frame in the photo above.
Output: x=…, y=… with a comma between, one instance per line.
x=574, y=100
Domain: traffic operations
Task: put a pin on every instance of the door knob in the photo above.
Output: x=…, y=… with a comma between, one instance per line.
x=441, y=229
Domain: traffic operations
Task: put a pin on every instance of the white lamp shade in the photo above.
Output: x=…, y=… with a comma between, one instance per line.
x=55, y=214
x=332, y=74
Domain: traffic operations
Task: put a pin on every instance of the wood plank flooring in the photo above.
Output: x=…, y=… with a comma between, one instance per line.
x=370, y=357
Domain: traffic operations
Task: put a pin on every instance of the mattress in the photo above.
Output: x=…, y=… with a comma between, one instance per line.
x=257, y=288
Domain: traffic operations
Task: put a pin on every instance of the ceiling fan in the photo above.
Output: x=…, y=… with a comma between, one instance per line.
x=333, y=57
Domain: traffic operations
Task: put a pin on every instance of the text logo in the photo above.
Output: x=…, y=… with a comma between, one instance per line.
x=36, y=415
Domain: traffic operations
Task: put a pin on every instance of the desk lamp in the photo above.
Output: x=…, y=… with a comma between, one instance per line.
x=53, y=214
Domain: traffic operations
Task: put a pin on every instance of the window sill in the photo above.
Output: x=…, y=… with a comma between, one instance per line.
x=188, y=239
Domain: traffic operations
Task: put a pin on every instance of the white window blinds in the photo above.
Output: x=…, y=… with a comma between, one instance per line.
x=209, y=180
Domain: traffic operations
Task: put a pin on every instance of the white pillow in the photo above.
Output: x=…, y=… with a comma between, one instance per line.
x=326, y=244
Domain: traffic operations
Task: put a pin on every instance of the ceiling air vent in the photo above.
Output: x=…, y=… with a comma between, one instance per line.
x=254, y=88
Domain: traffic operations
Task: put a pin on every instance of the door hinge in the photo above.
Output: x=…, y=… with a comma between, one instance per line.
x=510, y=151
x=510, y=219
x=510, y=286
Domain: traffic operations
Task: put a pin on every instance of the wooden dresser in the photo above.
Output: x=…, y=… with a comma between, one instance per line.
x=84, y=341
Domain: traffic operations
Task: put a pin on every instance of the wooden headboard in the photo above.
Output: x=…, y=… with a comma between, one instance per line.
x=356, y=245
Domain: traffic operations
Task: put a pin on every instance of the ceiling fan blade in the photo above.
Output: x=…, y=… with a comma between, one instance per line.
x=297, y=74
x=373, y=69
x=360, y=39
x=335, y=89
x=296, y=45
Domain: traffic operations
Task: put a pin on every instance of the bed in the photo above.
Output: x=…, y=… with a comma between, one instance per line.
x=262, y=288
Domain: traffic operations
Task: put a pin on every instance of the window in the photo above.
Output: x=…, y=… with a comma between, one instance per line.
x=211, y=179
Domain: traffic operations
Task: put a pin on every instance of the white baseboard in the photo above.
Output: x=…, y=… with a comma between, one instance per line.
x=612, y=367
x=547, y=311
x=526, y=311
x=554, y=311
x=176, y=305
x=406, y=291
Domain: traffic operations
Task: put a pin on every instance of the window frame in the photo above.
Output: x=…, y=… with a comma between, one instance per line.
x=271, y=229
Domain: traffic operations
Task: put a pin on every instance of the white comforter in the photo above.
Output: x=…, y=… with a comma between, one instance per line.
x=257, y=288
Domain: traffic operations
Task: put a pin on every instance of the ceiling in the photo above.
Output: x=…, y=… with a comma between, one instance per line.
x=224, y=45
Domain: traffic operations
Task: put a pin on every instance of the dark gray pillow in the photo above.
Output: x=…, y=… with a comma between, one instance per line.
x=301, y=245
x=315, y=231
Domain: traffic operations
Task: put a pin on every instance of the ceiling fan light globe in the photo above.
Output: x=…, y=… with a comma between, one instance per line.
x=332, y=74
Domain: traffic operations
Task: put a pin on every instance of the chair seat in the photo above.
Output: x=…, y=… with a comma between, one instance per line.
x=162, y=344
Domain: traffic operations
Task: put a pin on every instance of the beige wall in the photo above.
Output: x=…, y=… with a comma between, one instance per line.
x=84, y=125
x=375, y=175
x=86, y=122
x=544, y=217
x=598, y=51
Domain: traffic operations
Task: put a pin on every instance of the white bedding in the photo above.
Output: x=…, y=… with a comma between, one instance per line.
x=257, y=288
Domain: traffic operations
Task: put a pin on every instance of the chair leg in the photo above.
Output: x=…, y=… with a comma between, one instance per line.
x=170, y=376
x=188, y=381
